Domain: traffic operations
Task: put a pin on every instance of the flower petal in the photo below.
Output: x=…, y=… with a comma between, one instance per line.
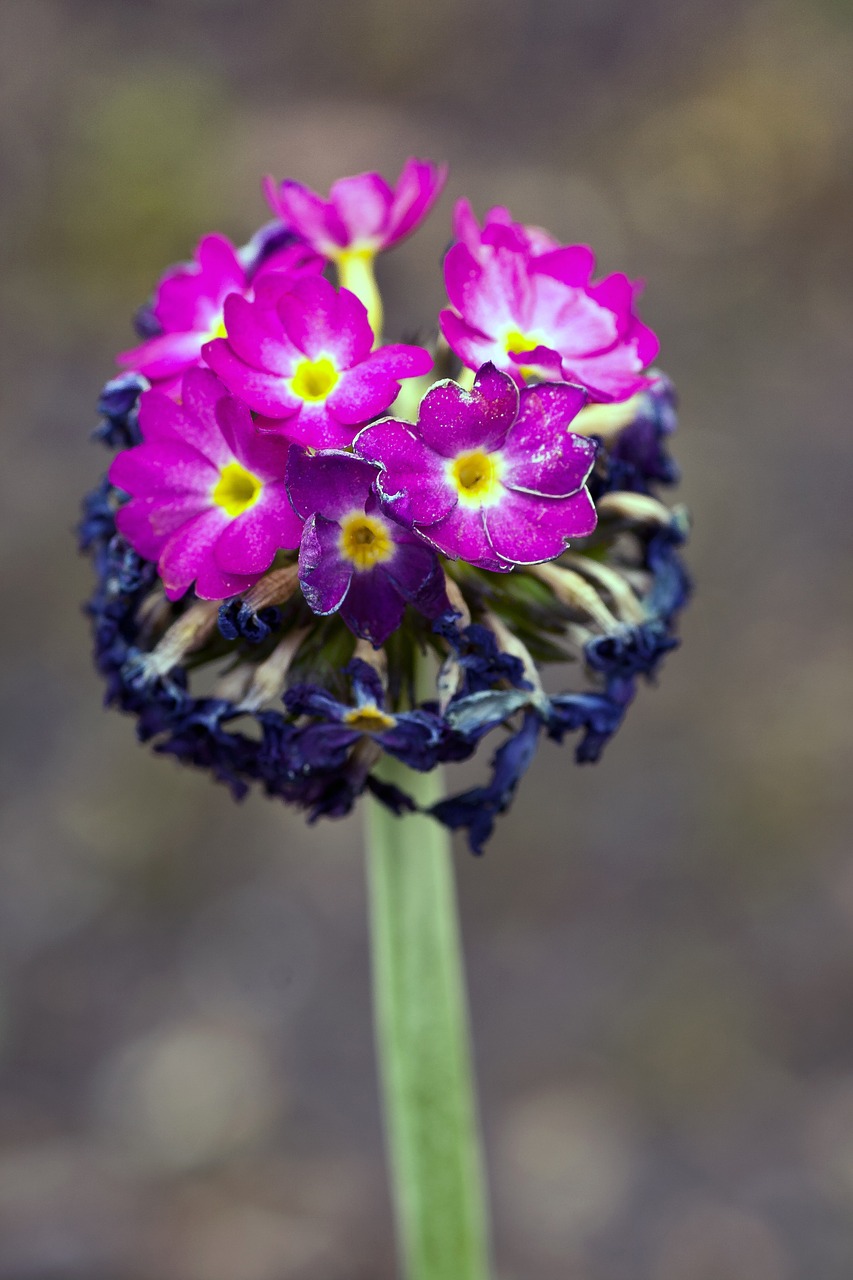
x=323, y=572
x=541, y=455
x=331, y=483
x=526, y=529
x=412, y=484
x=452, y=419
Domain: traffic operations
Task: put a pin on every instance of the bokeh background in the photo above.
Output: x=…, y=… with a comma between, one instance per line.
x=659, y=947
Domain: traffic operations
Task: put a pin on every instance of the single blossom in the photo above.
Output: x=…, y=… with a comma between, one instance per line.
x=301, y=357
x=187, y=310
x=490, y=476
x=538, y=314
x=363, y=214
x=208, y=501
x=353, y=557
x=334, y=728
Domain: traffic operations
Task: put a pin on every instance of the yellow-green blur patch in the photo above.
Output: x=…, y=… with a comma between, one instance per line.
x=476, y=477
x=369, y=720
x=314, y=379
x=236, y=490
x=365, y=541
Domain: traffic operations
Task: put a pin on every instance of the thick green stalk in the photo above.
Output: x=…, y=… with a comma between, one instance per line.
x=423, y=1040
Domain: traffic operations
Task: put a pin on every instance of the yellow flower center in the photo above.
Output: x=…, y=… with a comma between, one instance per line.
x=314, y=379
x=515, y=340
x=236, y=490
x=365, y=541
x=218, y=330
x=476, y=477
x=369, y=719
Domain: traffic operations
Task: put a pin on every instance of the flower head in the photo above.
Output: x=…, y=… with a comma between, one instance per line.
x=488, y=476
x=271, y=550
x=363, y=214
x=301, y=356
x=537, y=314
x=187, y=310
x=208, y=501
x=353, y=558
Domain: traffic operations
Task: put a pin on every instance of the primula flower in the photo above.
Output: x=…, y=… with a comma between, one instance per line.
x=187, y=310
x=363, y=214
x=208, y=501
x=539, y=316
x=353, y=558
x=302, y=358
x=489, y=476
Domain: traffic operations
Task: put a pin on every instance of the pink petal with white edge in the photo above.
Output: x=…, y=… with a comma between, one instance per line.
x=523, y=529
x=312, y=426
x=461, y=535
x=324, y=321
x=452, y=420
x=412, y=484
x=541, y=455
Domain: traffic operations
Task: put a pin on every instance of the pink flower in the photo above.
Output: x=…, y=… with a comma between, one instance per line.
x=488, y=476
x=531, y=310
x=363, y=214
x=302, y=358
x=189, y=300
x=208, y=501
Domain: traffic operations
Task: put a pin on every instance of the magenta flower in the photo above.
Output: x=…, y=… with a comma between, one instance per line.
x=188, y=304
x=208, y=500
x=353, y=557
x=363, y=214
x=538, y=315
x=301, y=356
x=490, y=476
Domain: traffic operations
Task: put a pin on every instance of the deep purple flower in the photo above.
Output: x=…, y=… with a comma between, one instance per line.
x=415, y=737
x=363, y=214
x=208, y=501
x=189, y=300
x=488, y=476
x=539, y=316
x=354, y=558
x=302, y=358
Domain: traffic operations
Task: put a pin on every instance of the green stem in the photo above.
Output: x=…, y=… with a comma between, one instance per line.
x=423, y=1040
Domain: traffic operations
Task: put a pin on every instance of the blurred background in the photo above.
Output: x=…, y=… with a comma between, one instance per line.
x=659, y=947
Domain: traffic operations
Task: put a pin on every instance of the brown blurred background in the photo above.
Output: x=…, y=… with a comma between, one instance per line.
x=659, y=947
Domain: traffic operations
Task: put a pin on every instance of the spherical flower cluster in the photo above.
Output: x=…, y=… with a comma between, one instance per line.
x=298, y=508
